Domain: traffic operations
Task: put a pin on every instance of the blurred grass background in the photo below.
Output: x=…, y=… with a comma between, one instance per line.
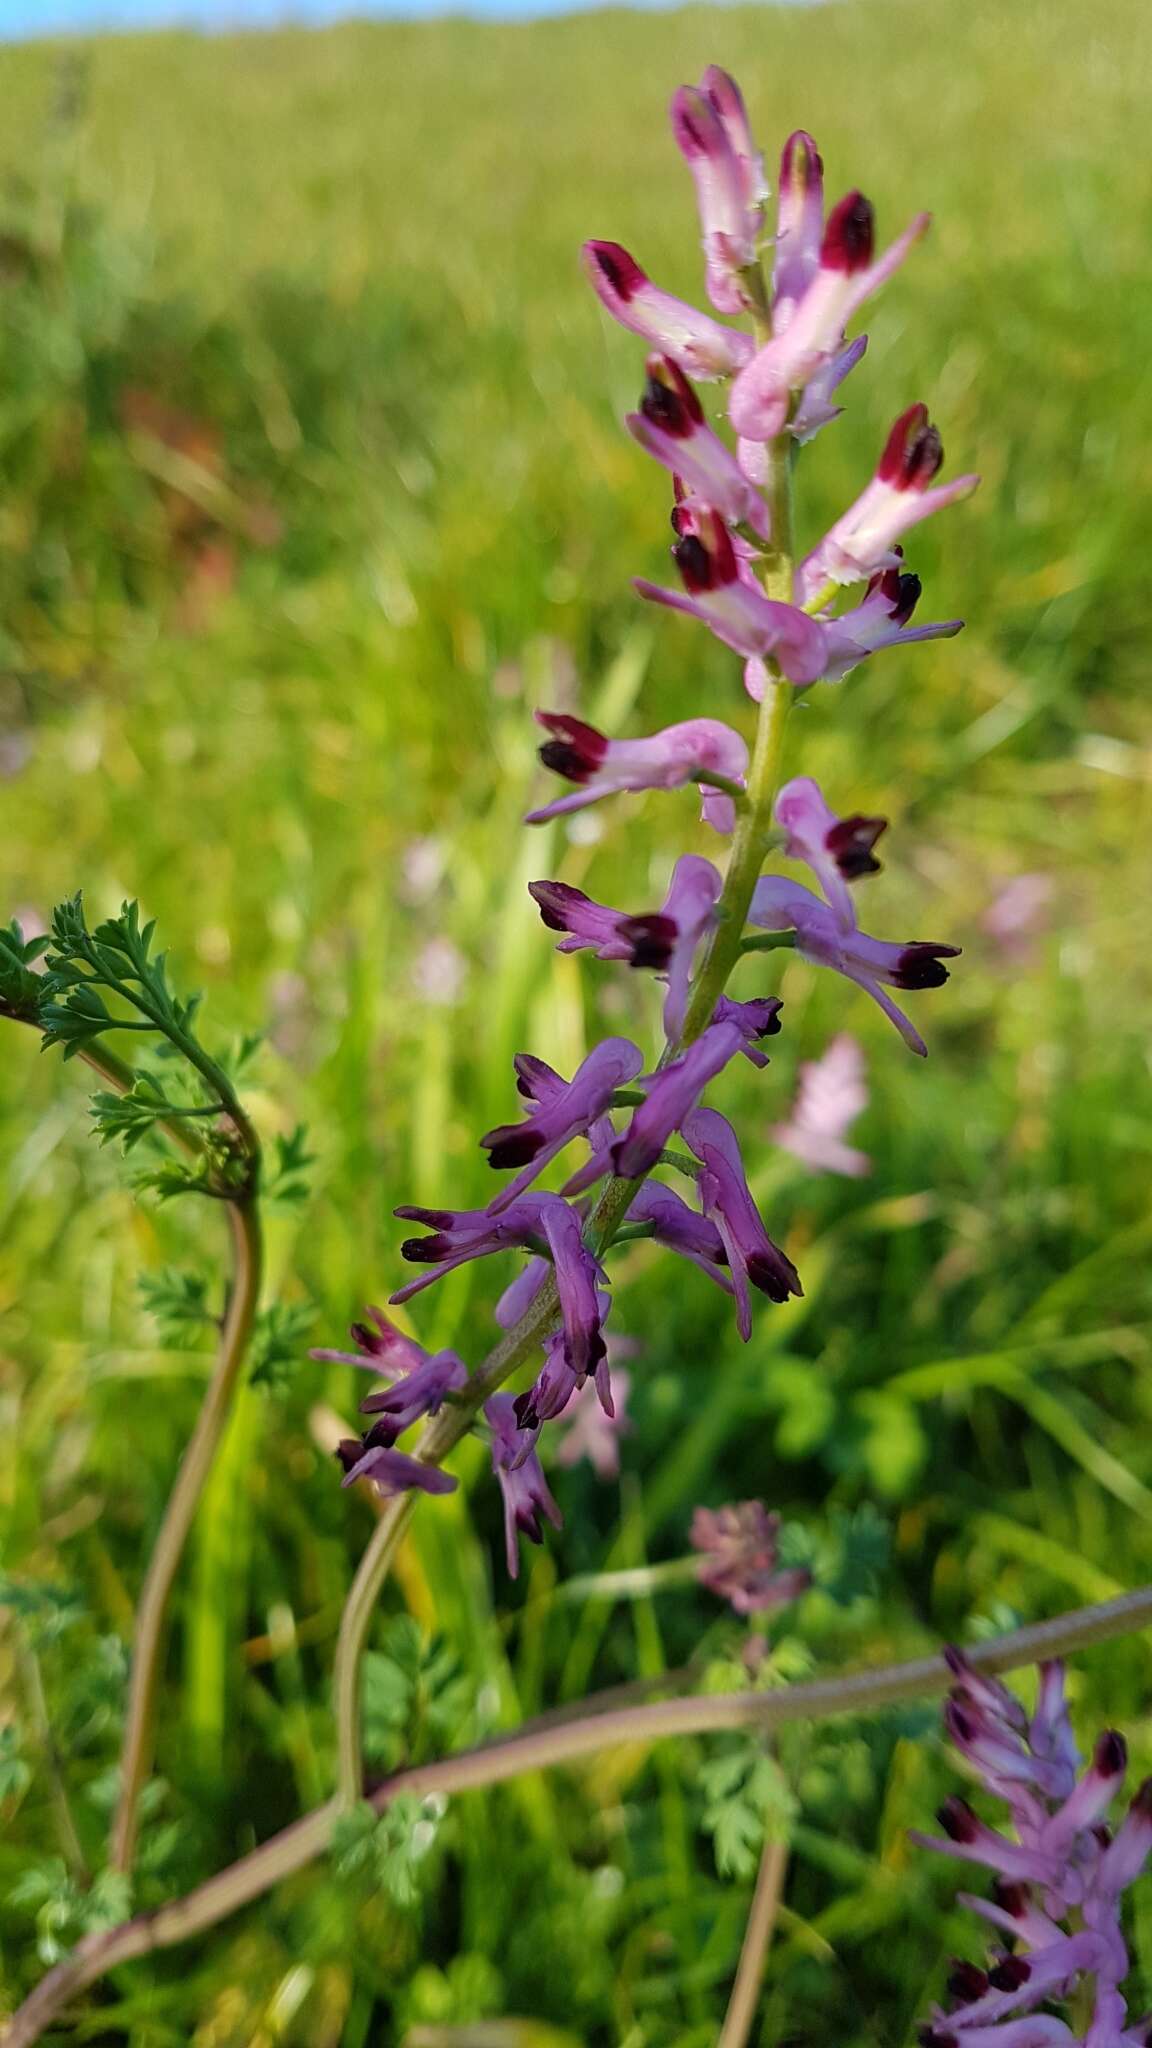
x=313, y=485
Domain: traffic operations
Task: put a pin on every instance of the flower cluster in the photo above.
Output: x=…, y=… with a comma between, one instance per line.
x=637, y=1120
x=1058, y=1882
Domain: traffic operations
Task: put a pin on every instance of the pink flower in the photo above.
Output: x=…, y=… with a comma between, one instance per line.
x=521, y=1477
x=392, y=1471
x=734, y=607
x=587, y=1432
x=711, y=130
x=864, y=538
x=738, y=1546
x=880, y=620
x=838, y=850
x=844, y=276
x=670, y=425
x=831, y=1095
x=727, y=1201
x=698, y=750
x=562, y=1110
x=672, y=1094
x=666, y=939
x=778, y=905
x=699, y=344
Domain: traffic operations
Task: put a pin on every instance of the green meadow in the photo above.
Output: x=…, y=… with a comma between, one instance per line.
x=312, y=486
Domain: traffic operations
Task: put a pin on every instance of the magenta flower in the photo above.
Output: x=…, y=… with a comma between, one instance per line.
x=665, y=939
x=778, y=905
x=392, y=1471
x=380, y=1348
x=726, y=1199
x=734, y=608
x=757, y=1019
x=711, y=130
x=422, y=1391
x=563, y=1110
x=672, y=1094
x=845, y=275
x=541, y=1223
x=838, y=850
x=586, y=1431
x=831, y=1095
x=670, y=425
x=559, y=1378
x=799, y=227
x=698, y=750
x=522, y=1481
x=1058, y=1884
x=682, y=1229
x=879, y=620
x=899, y=496
x=738, y=1557
x=699, y=344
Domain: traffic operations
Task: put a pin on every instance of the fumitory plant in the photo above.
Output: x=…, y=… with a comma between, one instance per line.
x=636, y=1143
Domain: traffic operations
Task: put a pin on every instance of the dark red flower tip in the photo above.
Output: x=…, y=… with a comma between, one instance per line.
x=850, y=843
x=575, y=749
x=932, y=2036
x=1012, y=1897
x=436, y=1219
x=367, y=1340
x=1110, y=1756
x=620, y=271
x=722, y=92
x=959, y=1723
x=966, y=1981
x=524, y=1408
x=849, y=235
x=1141, y=1807
x=556, y=901
x=921, y=964
x=382, y=1435
x=958, y=1820
x=512, y=1145
x=1010, y=1973
x=425, y=1251
x=706, y=563
x=800, y=162
x=669, y=401
x=695, y=124
x=348, y=1452
x=913, y=451
x=651, y=937
x=774, y=1275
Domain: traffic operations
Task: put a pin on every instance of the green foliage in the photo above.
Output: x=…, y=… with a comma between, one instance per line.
x=415, y=1696
x=117, y=958
x=278, y=1341
x=20, y=989
x=747, y=1800
x=179, y=1300
x=287, y=1180
x=64, y=1910
x=386, y=1851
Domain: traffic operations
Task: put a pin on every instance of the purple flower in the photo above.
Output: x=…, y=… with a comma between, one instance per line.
x=682, y=1229
x=564, y=1110
x=757, y=1019
x=880, y=620
x=672, y=1094
x=779, y=905
x=561, y=1375
x=711, y=130
x=665, y=939
x=844, y=276
x=522, y=1481
x=738, y=1546
x=727, y=1199
x=831, y=1095
x=380, y=1348
x=838, y=850
x=899, y=496
x=1058, y=1883
x=670, y=425
x=699, y=344
x=690, y=906
x=421, y=1392
x=542, y=1223
x=392, y=1471
x=587, y=1431
x=735, y=608
x=698, y=750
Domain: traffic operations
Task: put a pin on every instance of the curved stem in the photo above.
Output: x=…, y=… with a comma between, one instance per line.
x=540, y=1746
x=136, y=1751
x=754, y=1948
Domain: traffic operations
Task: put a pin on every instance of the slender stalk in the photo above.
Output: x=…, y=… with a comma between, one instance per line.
x=754, y=1948
x=750, y=841
x=540, y=1746
x=137, y=1749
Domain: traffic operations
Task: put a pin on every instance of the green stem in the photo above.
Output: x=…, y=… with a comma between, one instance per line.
x=541, y=1746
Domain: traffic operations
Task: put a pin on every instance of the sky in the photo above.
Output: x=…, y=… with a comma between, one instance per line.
x=24, y=18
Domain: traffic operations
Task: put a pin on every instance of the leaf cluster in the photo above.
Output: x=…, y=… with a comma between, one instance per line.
x=385, y=1852
x=21, y=990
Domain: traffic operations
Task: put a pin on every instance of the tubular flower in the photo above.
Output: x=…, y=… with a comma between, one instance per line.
x=838, y=850
x=670, y=426
x=699, y=344
x=559, y=1379
x=879, y=620
x=381, y=1349
x=757, y=1019
x=563, y=1110
x=738, y=1557
x=392, y=1471
x=698, y=750
x=733, y=606
x=422, y=1391
x=1058, y=1885
x=542, y=1223
x=831, y=1095
x=727, y=1200
x=845, y=275
x=672, y=1094
x=778, y=905
x=674, y=1223
x=711, y=130
x=665, y=939
x=899, y=496
x=522, y=1481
